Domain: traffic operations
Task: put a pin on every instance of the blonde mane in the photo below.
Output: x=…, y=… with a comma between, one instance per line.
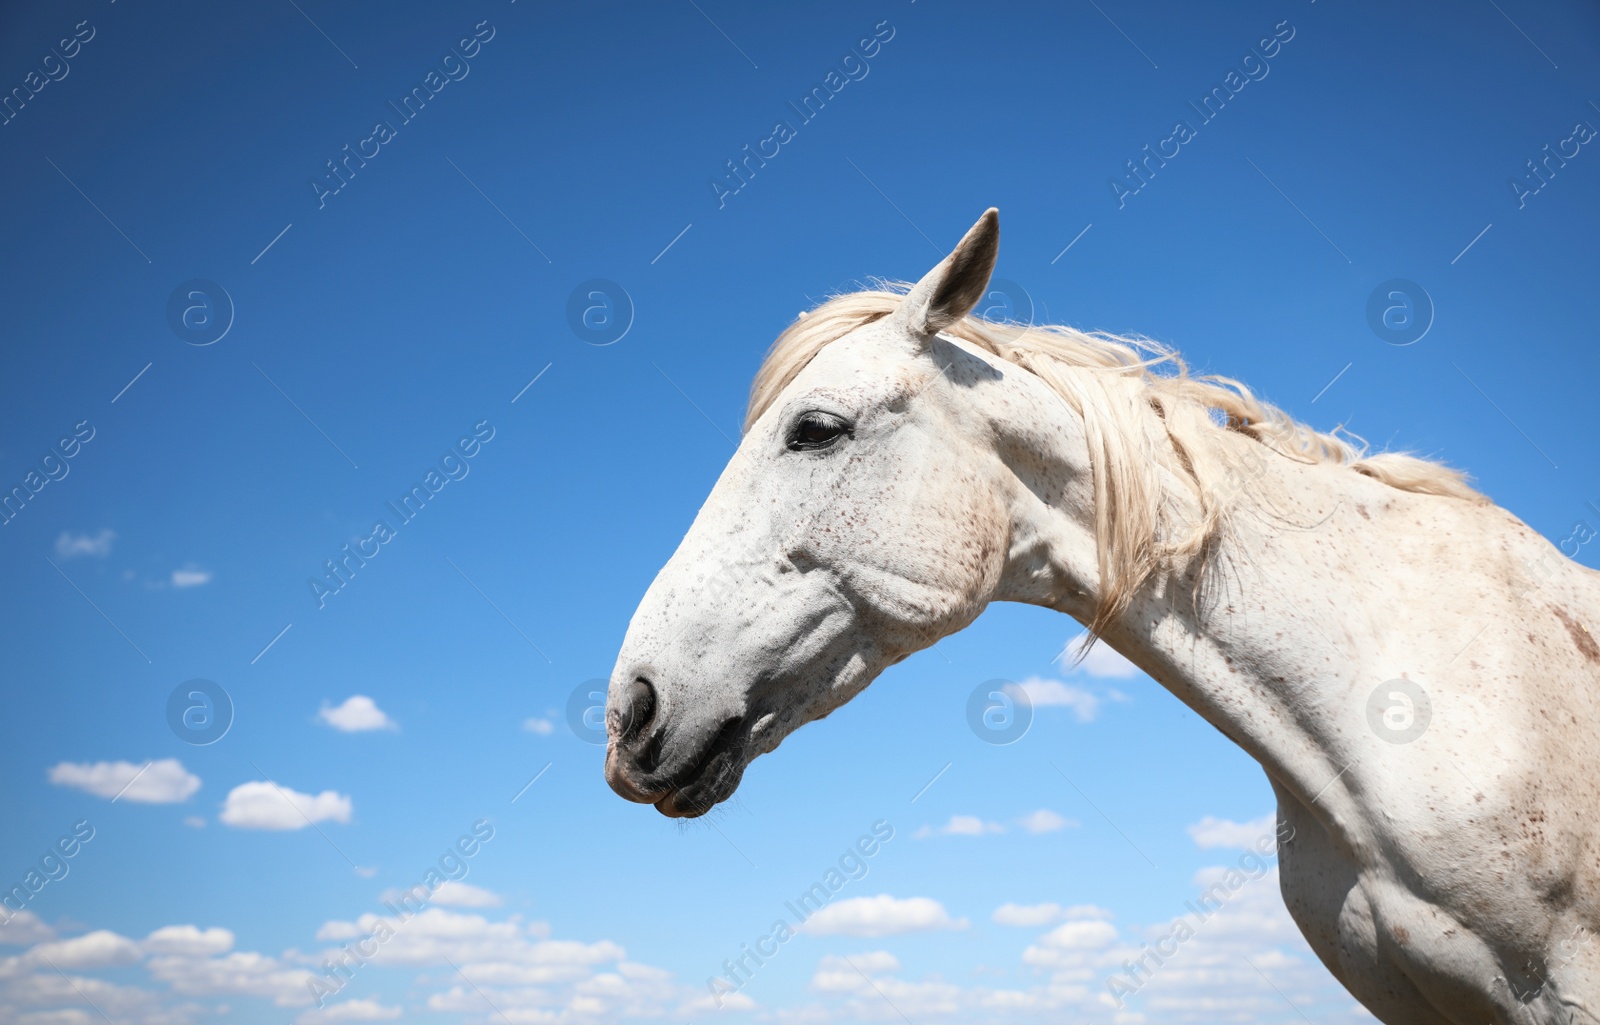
x=1129, y=449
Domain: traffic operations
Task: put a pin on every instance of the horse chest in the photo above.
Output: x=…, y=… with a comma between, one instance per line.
x=1410, y=959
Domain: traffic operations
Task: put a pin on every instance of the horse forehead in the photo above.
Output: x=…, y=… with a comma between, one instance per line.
x=875, y=358
x=865, y=351
x=871, y=361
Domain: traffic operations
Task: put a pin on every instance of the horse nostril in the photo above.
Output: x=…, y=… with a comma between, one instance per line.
x=639, y=707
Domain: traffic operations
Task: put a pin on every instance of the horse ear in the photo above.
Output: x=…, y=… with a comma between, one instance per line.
x=950, y=291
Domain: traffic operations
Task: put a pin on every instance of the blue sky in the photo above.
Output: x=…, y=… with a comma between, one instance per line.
x=202, y=486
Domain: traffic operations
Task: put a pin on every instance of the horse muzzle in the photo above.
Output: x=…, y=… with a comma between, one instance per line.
x=684, y=770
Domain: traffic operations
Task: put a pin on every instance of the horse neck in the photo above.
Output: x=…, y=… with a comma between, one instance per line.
x=1246, y=636
x=1256, y=639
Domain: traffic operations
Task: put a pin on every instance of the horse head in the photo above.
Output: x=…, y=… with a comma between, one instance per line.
x=863, y=517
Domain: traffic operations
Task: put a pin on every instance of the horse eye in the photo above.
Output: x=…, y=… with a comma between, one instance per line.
x=815, y=431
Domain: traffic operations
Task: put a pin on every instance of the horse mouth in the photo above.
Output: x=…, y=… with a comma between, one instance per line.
x=709, y=781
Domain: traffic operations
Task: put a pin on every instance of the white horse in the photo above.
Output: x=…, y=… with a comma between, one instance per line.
x=1409, y=663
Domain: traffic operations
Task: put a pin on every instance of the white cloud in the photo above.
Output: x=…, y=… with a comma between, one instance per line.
x=1082, y=934
x=190, y=576
x=242, y=973
x=66, y=996
x=23, y=929
x=542, y=983
x=189, y=941
x=704, y=1003
x=971, y=825
x=1032, y=915
x=1101, y=662
x=531, y=978
x=99, y=949
x=71, y=546
x=1035, y=915
x=1077, y=948
x=349, y=1010
x=535, y=980
x=837, y=974
x=1044, y=693
x=1206, y=977
x=1210, y=978
x=509, y=953
x=337, y=931
x=873, y=994
x=432, y=935
x=882, y=915
x=264, y=805
x=1251, y=905
x=194, y=822
x=543, y=727
x=464, y=895
x=960, y=825
x=158, y=782
x=358, y=714
x=1214, y=832
x=1044, y=821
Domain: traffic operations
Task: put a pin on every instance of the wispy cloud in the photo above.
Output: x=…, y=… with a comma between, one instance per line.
x=1048, y=913
x=1214, y=832
x=837, y=974
x=190, y=576
x=960, y=825
x=1101, y=662
x=456, y=894
x=1045, y=821
x=450, y=893
x=348, y=1011
x=72, y=546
